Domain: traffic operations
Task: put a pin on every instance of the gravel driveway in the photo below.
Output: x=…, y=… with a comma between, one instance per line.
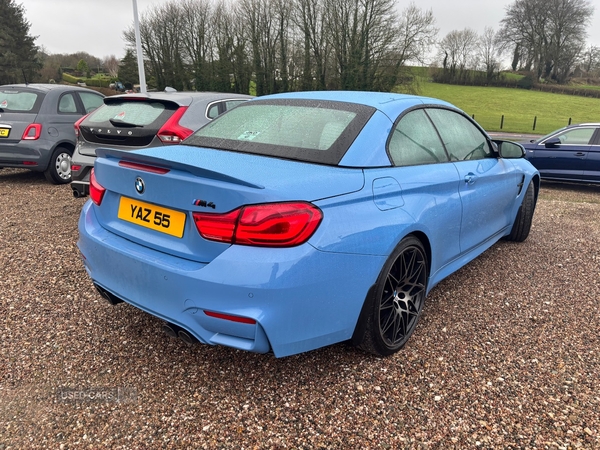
x=505, y=356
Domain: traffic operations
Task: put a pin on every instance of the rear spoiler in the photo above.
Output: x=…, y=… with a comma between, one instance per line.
x=141, y=158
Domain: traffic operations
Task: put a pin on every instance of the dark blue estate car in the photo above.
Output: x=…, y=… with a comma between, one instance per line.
x=569, y=154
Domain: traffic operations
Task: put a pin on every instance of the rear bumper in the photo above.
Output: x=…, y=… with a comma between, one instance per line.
x=33, y=155
x=81, y=167
x=80, y=188
x=300, y=298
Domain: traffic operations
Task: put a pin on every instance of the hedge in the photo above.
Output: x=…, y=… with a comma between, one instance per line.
x=88, y=81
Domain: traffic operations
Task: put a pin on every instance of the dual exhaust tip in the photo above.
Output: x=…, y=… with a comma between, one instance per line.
x=170, y=329
x=175, y=331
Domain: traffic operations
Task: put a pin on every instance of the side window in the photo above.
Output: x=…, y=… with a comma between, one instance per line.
x=579, y=136
x=232, y=104
x=67, y=104
x=415, y=141
x=463, y=140
x=220, y=107
x=90, y=101
x=213, y=110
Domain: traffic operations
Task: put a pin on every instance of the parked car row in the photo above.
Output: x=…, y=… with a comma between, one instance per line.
x=291, y=222
x=45, y=127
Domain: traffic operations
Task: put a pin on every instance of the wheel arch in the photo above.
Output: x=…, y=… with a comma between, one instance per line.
x=421, y=236
x=536, y=184
x=66, y=144
x=360, y=326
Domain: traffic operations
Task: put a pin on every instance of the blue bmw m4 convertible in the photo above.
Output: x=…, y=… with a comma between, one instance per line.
x=295, y=221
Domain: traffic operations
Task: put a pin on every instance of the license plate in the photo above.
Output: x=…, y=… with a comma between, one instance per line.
x=152, y=216
x=4, y=132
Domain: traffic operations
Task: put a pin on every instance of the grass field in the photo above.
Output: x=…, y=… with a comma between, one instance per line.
x=592, y=87
x=519, y=107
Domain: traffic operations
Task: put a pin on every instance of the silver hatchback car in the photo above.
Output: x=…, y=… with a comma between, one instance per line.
x=36, y=126
x=137, y=121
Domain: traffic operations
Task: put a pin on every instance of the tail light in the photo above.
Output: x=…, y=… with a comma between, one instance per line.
x=171, y=132
x=96, y=189
x=266, y=225
x=144, y=167
x=77, y=124
x=32, y=132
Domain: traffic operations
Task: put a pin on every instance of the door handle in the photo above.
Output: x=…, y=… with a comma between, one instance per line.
x=579, y=154
x=470, y=178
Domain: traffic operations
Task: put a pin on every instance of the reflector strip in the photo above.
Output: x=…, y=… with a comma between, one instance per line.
x=231, y=318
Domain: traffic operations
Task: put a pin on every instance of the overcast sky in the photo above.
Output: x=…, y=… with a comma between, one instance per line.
x=96, y=26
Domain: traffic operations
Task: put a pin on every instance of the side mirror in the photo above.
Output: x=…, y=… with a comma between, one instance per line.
x=552, y=143
x=508, y=149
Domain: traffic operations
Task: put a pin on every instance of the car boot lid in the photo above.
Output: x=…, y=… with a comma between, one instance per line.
x=248, y=170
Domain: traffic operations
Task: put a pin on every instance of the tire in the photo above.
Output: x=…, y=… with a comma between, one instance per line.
x=394, y=306
x=59, y=168
x=522, y=224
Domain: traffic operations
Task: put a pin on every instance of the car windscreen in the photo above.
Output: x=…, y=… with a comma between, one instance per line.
x=20, y=101
x=135, y=112
x=543, y=138
x=306, y=130
x=129, y=123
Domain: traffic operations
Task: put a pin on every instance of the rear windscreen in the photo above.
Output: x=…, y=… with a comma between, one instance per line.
x=20, y=101
x=305, y=130
x=138, y=113
x=126, y=122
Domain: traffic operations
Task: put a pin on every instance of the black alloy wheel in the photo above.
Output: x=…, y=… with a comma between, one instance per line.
x=398, y=299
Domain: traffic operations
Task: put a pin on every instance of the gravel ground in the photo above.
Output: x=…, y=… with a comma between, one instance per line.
x=506, y=354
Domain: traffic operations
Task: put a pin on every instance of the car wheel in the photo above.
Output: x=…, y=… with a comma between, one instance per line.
x=395, y=304
x=522, y=224
x=59, y=169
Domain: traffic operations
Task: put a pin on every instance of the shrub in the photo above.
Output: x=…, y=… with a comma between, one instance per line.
x=70, y=78
x=526, y=82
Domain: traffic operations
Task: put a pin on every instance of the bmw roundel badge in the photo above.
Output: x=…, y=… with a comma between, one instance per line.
x=139, y=185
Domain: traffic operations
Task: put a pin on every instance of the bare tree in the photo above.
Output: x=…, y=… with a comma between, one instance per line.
x=283, y=13
x=309, y=17
x=362, y=34
x=111, y=65
x=590, y=59
x=161, y=39
x=550, y=33
x=489, y=52
x=231, y=66
x=459, y=52
x=282, y=45
x=196, y=39
x=263, y=36
x=416, y=34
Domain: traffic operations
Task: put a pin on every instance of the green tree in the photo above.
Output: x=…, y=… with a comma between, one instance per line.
x=17, y=47
x=128, y=69
x=83, y=68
